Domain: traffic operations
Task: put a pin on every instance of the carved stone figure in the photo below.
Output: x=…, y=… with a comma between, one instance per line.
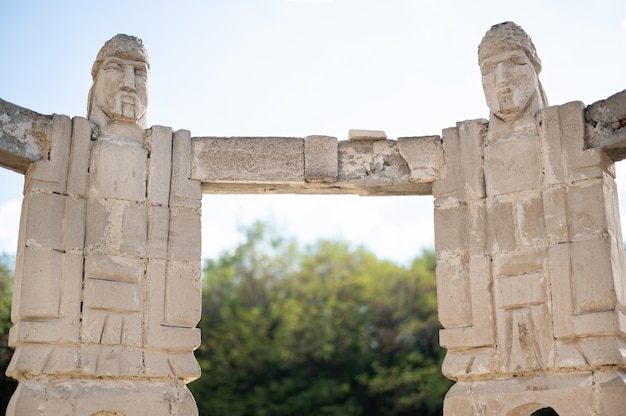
x=527, y=268
x=107, y=283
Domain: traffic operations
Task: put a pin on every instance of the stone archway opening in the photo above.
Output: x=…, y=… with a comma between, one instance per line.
x=546, y=411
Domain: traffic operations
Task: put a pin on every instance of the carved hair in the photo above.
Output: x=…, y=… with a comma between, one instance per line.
x=505, y=37
x=121, y=46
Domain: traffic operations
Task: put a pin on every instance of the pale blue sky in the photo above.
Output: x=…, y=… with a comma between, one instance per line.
x=301, y=67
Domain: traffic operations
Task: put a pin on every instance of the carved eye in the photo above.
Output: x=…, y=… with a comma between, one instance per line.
x=486, y=69
x=112, y=66
x=141, y=73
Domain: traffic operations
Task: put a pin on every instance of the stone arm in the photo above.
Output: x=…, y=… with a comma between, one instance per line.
x=606, y=126
x=25, y=136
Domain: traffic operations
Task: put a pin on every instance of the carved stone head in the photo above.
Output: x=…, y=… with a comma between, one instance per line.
x=118, y=98
x=510, y=72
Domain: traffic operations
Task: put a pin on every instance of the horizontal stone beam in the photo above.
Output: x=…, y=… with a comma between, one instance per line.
x=24, y=136
x=606, y=125
x=316, y=165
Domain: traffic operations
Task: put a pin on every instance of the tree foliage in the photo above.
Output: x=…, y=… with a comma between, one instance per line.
x=328, y=329
x=7, y=385
x=325, y=330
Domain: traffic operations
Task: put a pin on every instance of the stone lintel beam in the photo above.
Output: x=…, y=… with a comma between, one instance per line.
x=316, y=165
x=25, y=136
x=606, y=125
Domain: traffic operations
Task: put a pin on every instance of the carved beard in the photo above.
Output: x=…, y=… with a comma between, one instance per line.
x=126, y=106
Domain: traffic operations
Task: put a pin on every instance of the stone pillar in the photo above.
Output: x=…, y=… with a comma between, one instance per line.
x=530, y=270
x=107, y=285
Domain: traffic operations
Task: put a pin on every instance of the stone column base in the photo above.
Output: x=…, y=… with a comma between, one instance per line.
x=572, y=394
x=101, y=398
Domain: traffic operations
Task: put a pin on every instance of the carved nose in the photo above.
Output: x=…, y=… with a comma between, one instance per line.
x=502, y=77
x=128, y=82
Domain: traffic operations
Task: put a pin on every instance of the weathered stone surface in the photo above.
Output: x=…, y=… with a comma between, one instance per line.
x=355, y=134
x=320, y=159
x=424, y=156
x=103, y=397
x=248, y=159
x=606, y=125
x=25, y=136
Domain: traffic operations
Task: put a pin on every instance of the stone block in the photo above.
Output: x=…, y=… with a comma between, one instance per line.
x=582, y=163
x=592, y=279
x=469, y=363
x=50, y=174
x=500, y=226
x=24, y=136
x=521, y=290
x=70, y=397
x=320, y=159
x=446, y=187
x=184, y=234
x=424, y=156
x=44, y=221
x=555, y=166
x=98, y=226
x=134, y=230
x=185, y=190
x=248, y=159
x=118, y=170
x=113, y=268
x=160, y=164
x=62, y=360
x=28, y=359
x=472, y=135
x=513, y=166
x=158, y=334
x=454, y=300
x=183, y=294
x=113, y=296
x=596, y=323
x=477, y=230
x=572, y=394
x=524, y=338
x=363, y=162
x=75, y=225
x=531, y=226
x=158, y=232
x=555, y=214
x=355, y=134
x=78, y=170
x=559, y=263
x=451, y=231
x=519, y=262
x=482, y=331
x=41, y=269
x=586, y=210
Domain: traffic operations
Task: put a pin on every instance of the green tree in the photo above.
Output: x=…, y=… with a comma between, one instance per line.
x=7, y=385
x=325, y=330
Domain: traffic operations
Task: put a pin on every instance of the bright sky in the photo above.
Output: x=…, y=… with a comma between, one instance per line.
x=302, y=67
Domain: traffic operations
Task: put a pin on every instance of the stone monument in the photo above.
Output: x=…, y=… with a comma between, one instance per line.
x=531, y=276
x=107, y=283
x=530, y=263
